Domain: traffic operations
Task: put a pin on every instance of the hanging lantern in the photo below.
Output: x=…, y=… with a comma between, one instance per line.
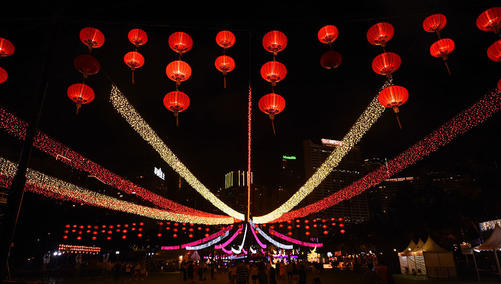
x=490, y=20
x=328, y=34
x=80, y=94
x=225, y=64
x=176, y=102
x=225, y=39
x=3, y=75
x=380, y=34
x=274, y=41
x=6, y=47
x=178, y=71
x=331, y=59
x=386, y=63
x=92, y=38
x=134, y=60
x=499, y=85
x=180, y=42
x=137, y=37
x=392, y=97
x=434, y=23
x=87, y=65
x=272, y=104
x=442, y=48
x=494, y=51
x=273, y=72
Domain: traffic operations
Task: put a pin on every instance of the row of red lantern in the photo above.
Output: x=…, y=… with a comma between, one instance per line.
x=178, y=71
x=225, y=63
x=273, y=72
x=490, y=21
x=67, y=226
x=81, y=93
x=442, y=47
x=330, y=59
x=6, y=50
x=134, y=59
x=386, y=63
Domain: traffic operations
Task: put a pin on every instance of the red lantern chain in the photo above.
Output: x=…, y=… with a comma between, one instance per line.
x=134, y=59
x=6, y=50
x=224, y=63
x=330, y=59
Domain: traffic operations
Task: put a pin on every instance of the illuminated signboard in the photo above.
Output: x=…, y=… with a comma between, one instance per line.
x=289, y=157
x=489, y=225
x=330, y=142
x=159, y=173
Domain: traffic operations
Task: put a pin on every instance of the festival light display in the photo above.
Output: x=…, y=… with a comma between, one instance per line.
x=473, y=116
x=274, y=242
x=357, y=131
x=48, y=186
x=208, y=244
x=127, y=111
x=294, y=241
x=17, y=128
x=78, y=249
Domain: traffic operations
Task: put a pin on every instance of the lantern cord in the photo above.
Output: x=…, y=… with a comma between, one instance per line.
x=273, y=124
x=438, y=34
x=132, y=76
x=79, y=105
x=176, y=115
x=398, y=121
x=224, y=81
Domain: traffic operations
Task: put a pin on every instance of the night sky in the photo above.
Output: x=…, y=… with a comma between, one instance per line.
x=211, y=139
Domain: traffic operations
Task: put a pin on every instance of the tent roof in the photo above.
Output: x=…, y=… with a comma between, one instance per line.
x=432, y=246
x=419, y=245
x=409, y=248
x=493, y=242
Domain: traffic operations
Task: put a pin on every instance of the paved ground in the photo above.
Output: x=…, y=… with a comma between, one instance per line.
x=326, y=278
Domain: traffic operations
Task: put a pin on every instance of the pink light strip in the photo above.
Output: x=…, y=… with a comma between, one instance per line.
x=169, y=248
x=229, y=240
x=17, y=128
x=473, y=116
x=294, y=241
x=229, y=252
x=206, y=239
x=255, y=236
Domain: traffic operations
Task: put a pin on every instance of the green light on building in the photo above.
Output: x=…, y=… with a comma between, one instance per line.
x=289, y=157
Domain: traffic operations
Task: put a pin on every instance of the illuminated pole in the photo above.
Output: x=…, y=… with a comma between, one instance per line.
x=249, y=113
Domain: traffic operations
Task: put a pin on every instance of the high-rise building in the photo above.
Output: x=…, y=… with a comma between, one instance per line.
x=350, y=169
x=234, y=191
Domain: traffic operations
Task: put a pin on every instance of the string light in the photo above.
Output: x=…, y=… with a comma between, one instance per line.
x=476, y=114
x=55, y=188
x=294, y=241
x=357, y=131
x=255, y=236
x=134, y=119
x=221, y=246
x=275, y=243
x=17, y=128
x=208, y=244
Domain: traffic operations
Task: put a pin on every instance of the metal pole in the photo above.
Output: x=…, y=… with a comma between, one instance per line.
x=476, y=267
x=16, y=192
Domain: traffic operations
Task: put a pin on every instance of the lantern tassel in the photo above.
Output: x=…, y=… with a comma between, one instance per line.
x=79, y=105
x=447, y=66
x=273, y=124
x=176, y=115
x=438, y=34
x=224, y=80
x=132, y=76
x=396, y=110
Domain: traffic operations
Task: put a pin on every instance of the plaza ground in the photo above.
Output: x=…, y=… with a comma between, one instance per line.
x=335, y=277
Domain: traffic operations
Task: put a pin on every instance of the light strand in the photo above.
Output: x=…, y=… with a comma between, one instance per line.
x=357, y=131
x=206, y=239
x=294, y=241
x=208, y=244
x=134, y=119
x=271, y=240
x=17, y=128
x=473, y=116
x=229, y=240
x=262, y=245
x=55, y=188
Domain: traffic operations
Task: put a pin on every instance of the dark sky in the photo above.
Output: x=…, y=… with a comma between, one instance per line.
x=211, y=139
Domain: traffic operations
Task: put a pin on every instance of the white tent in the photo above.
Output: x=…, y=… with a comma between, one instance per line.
x=402, y=257
x=416, y=260
x=439, y=261
x=493, y=243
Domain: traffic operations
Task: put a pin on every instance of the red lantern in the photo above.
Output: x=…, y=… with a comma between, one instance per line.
x=386, y=63
x=434, y=23
x=180, y=42
x=176, y=102
x=380, y=34
x=3, y=75
x=326, y=232
x=499, y=85
x=224, y=64
x=328, y=34
x=289, y=233
x=159, y=235
x=80, y=94
x=139, y=235
x=225, y=39
x=331, y=59
x=342, y=231
x=174, y=235
x=307, y=233
x=494, y=51
x=272, y=104
x=178, y=71
x=92, y=38
x=392, y=97
x=87, y=65
x=134, y=60
x=273, y=72
x=490, y=20
x=137, y=37
x=274, y=41
x=190, y=235
x=6, y=47
x=442, y=48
